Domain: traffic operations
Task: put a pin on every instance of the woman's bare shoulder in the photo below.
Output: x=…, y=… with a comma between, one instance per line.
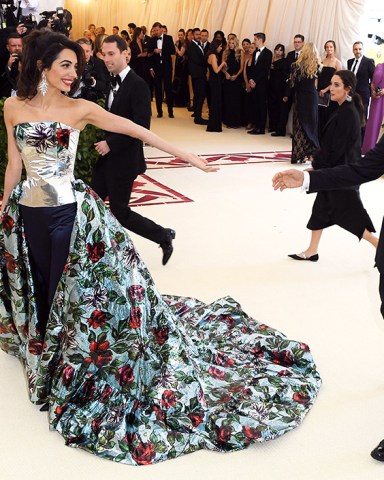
x=12, y=105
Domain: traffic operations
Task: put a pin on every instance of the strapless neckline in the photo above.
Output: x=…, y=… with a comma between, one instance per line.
x=46, y=122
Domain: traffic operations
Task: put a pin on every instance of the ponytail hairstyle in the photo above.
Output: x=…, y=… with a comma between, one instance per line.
x=349, y=81
x=40, y=49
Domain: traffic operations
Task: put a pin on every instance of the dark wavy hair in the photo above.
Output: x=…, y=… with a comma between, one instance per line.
x=40, y=50
x=215, y=44
x=349, y=81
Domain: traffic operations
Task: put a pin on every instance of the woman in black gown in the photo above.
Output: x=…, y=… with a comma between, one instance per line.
x=139, y=55
x=232, y=85
x=305, y=104
x=249, y=113
x=180, y=86
x=340, y=144
x=276, y=85
x=215, y=87
x=330, y=65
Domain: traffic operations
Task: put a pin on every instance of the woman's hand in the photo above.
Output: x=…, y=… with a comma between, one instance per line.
x=288, y=179
x=322, y=93
x=200, y=163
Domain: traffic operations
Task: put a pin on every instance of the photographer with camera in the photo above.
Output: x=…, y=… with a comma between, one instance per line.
x=30, y=8
x=95, y=77
x=9, y=76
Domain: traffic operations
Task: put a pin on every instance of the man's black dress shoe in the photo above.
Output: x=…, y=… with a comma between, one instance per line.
x=192, y=115
x=170, y=115
x=166, y=245
x=201, y=121
x=159, y=115
x=190, y=109
x=313, y=258
x=276, y=134
x=378, y=452
x=45, y=407
x=256, y=131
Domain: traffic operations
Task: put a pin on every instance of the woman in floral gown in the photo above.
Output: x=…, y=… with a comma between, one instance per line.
x=127, y=374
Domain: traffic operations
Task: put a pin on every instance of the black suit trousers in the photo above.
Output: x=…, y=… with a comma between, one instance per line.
x=199, y=93
x=163, y=83
x=108, y=181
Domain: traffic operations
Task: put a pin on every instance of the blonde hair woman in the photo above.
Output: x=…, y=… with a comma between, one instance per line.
x=232, y=84
x=305, y=114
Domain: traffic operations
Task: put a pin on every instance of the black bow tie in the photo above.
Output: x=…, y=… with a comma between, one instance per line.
x=116, y=80
x=258, y=50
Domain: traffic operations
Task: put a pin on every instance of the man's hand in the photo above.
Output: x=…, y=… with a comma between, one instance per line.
x=12, y=59
x=252, y=83
x=21, y=29
x=102, y=147
x=288, y=179
x=152, y=72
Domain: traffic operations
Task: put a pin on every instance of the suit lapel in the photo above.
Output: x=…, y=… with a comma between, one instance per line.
x=123, y=88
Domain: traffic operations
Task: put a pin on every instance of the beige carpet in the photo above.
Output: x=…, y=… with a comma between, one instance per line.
x=233, y=238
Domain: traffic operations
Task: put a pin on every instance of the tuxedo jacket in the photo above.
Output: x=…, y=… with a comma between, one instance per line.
x=197, y=61
x=165, y=59
x=101, y=75
x=341, y=138
x=132, y=101
x=364, y=77
x=364, y=170
x=290, y=58
x=259, y=72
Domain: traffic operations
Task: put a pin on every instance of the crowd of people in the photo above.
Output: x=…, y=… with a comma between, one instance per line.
x=244, y=84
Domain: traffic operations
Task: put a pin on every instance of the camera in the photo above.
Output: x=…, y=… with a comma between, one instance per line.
x=29, y=21
x=88, y=75
x=61, y=20
x=87, y=79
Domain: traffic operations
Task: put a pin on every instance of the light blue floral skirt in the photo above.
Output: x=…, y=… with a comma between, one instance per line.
x=137, y=377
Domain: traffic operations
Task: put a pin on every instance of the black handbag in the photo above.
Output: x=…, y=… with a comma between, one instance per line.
x=324, y=100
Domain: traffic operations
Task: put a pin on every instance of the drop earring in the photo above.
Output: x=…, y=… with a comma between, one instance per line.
x=43, y=85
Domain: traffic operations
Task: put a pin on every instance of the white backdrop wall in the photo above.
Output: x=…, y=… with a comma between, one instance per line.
x=318, y=20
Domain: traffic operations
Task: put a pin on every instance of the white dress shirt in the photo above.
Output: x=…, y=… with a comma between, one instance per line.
x=115, y=89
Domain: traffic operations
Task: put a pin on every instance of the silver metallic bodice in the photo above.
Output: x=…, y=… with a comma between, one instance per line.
x=48, y=151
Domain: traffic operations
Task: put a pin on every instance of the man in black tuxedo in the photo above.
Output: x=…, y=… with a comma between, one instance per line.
x=121, y=156
x=205, y=43
x=258, y=81
x=11, y=66
x=197, y=64
x=366, y=169
x=363, y=67
x=162, y=48
x=292, y=56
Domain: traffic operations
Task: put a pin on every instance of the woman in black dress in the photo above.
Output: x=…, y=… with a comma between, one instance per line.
x=330, y=65
x=340, y=144
x=180, y=86
x=232, y=84
x=305, y=104
x=215, y=87
x=248, y=110
x=139, y=56
x=276, y=86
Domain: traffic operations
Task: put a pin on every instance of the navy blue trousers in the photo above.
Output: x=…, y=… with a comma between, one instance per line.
x=48, y=234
